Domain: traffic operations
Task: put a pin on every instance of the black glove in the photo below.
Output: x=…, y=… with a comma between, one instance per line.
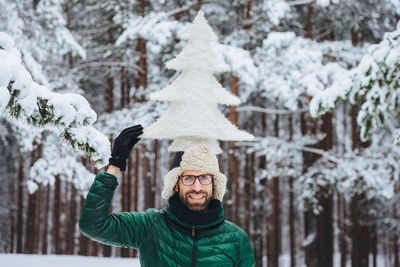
x=123, y=145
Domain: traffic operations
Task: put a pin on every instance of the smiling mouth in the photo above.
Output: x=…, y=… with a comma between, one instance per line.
x=196, y=197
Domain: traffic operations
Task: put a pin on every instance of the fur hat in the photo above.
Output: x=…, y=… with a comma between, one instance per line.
x=198, y=157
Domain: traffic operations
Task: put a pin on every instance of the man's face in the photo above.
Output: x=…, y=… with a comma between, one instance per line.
x=195, y=196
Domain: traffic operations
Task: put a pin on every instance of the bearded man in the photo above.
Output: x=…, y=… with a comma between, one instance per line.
x=191, y=231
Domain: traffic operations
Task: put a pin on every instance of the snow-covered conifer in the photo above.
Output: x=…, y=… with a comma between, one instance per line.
x=68, y=115
x=375, y=82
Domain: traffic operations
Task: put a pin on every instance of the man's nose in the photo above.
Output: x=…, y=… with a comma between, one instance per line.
x=197, y=185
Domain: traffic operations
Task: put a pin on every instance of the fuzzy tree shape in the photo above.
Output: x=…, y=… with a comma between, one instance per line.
x=193, y=116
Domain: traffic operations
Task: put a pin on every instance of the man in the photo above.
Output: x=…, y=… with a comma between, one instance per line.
x=191, y=231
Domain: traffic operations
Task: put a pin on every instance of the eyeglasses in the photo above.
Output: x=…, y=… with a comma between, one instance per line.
x=204, y=179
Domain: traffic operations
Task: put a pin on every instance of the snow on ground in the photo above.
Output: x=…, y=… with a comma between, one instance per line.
x=23, y=260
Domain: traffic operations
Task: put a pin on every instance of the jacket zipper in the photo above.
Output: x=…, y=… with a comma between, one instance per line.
x=194, y=253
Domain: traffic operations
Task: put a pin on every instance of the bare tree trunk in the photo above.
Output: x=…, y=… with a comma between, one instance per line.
x=110, y=94
x=147, y=181
x=155, y=168
x=374, y=244
x=83, y=240
x=45, y=221
x=38, y=222
x=274, y=234
x=341, y=213
x=310, y=9
x=395, y=239
x=354, y=129
x=319, y=249
x=56, y=216
x=135, y=183
x=124, y=206
x=72, y=219
x=292, y=229
x=232, y=159
x=20, y=193
x=396, y=251
x=123, y=90
x=360, y=235
x=30, y=224
x=136, y=180
x=247, y=200
x=248, y=9
x=141, y=81
x=94, y=248
x=11, y=212
x=142, y=51
x=325, y=218
x=198, y=5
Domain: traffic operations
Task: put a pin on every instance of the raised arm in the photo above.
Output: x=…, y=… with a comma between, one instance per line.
x=124, y=229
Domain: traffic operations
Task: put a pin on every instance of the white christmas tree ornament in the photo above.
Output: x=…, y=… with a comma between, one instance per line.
x=193, y=116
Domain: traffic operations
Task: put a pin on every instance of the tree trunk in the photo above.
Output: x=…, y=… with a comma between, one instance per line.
x=38, y=222
x=20, y=193
x=83, y=240
x=147, y=180
x=56, y=216
x=319, y=250
x=110, y=94
x=155, y=169
x=325, y=231
x=124, y=205
x=94, y=248
x=274, y=231
x=135, y=183
x=341, y=213
x=72, y=221
x=198, y=5
x=396, y=250
x=233, y=173
x=11, y=212
x=30, y=224
x=360, y=235
x=45, y=221
x=141, y=50
x=248, y=9
x=374, y=244
x=325, y=218
x=292, y=230
x=123, y=89
x=310, y=9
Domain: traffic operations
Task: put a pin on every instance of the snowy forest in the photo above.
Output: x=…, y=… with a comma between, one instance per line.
x=319, y=86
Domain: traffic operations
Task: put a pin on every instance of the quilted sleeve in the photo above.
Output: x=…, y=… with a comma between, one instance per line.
x=124, y=229
x=246, y=256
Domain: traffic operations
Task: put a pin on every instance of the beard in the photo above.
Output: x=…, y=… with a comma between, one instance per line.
x=195, y=206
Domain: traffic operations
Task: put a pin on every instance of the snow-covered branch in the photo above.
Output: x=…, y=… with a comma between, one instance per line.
x=375, y=82
x=272, y=111
x=95, y=65
x=69, y=115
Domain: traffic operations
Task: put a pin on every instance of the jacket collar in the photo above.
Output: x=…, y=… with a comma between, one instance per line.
x=180, y=215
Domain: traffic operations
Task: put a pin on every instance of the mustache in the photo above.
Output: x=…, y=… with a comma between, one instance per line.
x=197, y=192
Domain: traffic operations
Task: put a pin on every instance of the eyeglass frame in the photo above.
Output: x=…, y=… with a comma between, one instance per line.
x=197, y=177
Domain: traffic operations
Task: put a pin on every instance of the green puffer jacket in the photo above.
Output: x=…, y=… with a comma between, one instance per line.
x=162, y=239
